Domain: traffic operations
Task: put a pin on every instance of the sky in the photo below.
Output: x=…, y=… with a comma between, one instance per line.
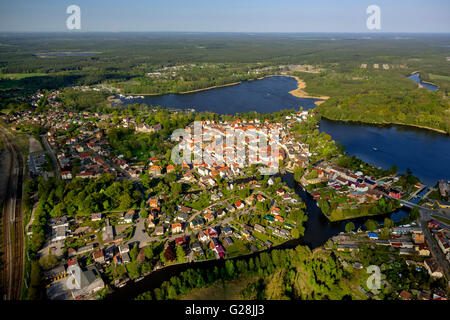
x=225, y=15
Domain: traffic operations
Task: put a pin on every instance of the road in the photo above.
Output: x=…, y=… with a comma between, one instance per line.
x=12, y=215
x=141, y=237
x=52, y=156
x=423, y=210
x=434, y=248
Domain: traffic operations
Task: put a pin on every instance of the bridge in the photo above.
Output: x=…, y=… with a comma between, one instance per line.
x=424, y=210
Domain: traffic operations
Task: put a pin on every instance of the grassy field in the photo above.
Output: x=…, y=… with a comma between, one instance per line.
x=439, y=77
x=238, y=248
x=227, y=290
x=344, y=214
x=22, y=140
x=19, y=76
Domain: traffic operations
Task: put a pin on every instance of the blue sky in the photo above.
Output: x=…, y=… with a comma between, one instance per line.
x=226, y=15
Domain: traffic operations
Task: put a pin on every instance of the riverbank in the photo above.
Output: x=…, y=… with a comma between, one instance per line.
x=336, y=216
x=210, y=88
x=156, y=277
x=341, y=215
x=185, y=92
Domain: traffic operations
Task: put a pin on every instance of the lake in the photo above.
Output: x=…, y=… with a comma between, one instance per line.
x=416, y=78
x=265, y=96
x=425, y=152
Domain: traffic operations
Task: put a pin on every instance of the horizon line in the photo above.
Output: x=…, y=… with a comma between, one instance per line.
x=240, y=32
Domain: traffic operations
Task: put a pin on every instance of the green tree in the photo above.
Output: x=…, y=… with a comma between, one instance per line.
x=388, y=223
x=371, y=225
x=134, y=252
x=298, y=173
x=349, y=227
x=414, y=213
x=229, y=267
x=180, y=254
x=148, y=251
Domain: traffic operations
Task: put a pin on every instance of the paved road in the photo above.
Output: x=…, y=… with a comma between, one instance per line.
x=434, y=248
x=141, y=237
x=52, y=156
x=13, y=224
x=424, y=210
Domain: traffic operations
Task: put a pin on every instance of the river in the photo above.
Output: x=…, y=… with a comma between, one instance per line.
x=426, y=153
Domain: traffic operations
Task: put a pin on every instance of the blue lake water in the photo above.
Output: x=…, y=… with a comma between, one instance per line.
x=425, y=152
x=265, y=96
x=416, y=78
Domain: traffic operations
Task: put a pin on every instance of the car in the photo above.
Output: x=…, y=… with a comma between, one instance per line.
x=143, y=230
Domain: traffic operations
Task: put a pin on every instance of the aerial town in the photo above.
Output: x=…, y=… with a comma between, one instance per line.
x=204, y=211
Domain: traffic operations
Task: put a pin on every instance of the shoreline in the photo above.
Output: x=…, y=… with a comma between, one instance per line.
x=298, y=92
x=191, y=264
x=301, y=93
x=348, y=218
x=185, y=92
x=210, y=88
x=423, y=81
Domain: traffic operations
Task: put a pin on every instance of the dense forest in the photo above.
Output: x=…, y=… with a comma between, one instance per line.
x=382, y=96
x=176, y=62
x=128, y=56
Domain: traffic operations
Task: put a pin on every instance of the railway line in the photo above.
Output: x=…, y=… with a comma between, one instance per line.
x=12, y=216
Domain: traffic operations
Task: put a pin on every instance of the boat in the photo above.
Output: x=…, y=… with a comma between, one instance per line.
x=138, y=279
x=375, y=149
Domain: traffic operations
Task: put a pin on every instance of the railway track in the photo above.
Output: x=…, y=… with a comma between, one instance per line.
x=13, y=234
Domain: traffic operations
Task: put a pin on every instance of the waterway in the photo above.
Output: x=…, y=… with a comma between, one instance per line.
x=416, y=78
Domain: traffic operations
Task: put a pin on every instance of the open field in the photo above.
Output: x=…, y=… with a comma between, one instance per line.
x=227, y=290
x=20, y=76
x=35, y=145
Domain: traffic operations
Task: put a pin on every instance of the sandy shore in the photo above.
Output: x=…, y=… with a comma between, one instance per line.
x=300, y=92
